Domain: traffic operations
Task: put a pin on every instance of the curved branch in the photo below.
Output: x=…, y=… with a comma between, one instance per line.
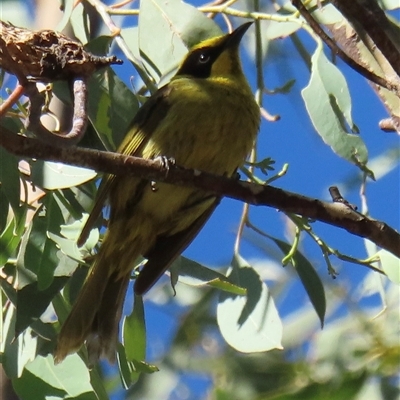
x=336, y=214
x=79, y=119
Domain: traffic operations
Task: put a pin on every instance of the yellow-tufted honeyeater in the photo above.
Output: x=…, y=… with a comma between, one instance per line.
x=205, y=118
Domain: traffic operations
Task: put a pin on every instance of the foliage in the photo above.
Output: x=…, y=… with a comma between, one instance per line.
x=229, y=325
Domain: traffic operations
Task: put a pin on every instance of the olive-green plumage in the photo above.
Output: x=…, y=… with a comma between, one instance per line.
x=205, y=118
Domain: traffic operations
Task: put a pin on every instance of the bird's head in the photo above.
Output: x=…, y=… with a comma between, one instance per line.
x=215, y=57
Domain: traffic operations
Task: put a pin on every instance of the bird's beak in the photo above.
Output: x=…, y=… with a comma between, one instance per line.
x=234, y=38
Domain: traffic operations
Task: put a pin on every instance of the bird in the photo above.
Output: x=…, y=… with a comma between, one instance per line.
x=206, y=118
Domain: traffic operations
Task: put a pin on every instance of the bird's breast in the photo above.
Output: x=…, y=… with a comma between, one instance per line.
x=210, y=126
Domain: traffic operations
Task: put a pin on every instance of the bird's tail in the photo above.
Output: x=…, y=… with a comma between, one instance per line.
x=96, y=313
x=103, y=339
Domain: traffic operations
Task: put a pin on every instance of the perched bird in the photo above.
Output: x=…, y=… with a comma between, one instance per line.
x=205, y=118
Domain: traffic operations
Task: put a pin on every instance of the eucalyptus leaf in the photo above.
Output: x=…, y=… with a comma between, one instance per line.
x=33, y=302
x=194, y=274
x=67, y=246
x=16, y=352
x=389, y=4
x=249, y=323
x=276, y=29
x=9, y=179
x=55, y=175
x=79, y=22
x=130, y=36
x=309, y=278
x=167, y=30
x=111, y=107
x=71, y=232
x=131, y=370
x=9, y=291
x=4, y=211
x=39, y=255
x=390, y=265
x=134, y=328
x=68, y=7
x=134, y=340
x=279, y=30
x=328, y=103
x=10, y=239
x=70, y=379
x=124, y=367
x=13, y=215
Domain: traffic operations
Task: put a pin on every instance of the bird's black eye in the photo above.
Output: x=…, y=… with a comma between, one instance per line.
x=199, y=62
x=204, y=58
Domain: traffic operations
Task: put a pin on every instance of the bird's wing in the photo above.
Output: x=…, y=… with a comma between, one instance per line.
x=149, y=116
x=167, y=248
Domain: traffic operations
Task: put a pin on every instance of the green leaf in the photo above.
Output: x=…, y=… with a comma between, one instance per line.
x=129, y=33
x=134, y=328
x=131, y=362
x=79, y=21
x=54, y=175
x=276, y=29
x=73, y=202
x=71, y=232
x=167, y=30
x=69, y=379
x=390, y=265
x=16, y=353
x=4, y=210
x=24, y=385
x=67, y=246
x=221, y=394
x=309, y=278
x=194, y=274
x=124, y=367
x=100, y=45
x=32, y=302
x=130, y=370
x=251, y=323
x=328, y=103
x=9, y=179
x=111, y=107
x=68, y=7
x=39, y=253
x=12, y=223
x=9, y=291
x=66, y=241
x=389, y=4
x=10, y=238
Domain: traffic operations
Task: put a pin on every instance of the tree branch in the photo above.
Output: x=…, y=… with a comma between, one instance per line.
x=47, y=56
x=393, y=86
x=375, y=23
x=336, y=214
x=79, y=119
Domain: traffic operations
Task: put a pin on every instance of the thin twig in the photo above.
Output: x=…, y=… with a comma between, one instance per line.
x=16, y=94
